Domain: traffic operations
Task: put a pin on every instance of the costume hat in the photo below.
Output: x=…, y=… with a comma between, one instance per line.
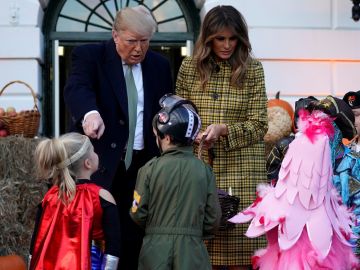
x=352, y=99
x=341, y=111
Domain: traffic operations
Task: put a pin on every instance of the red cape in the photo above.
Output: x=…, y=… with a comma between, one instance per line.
x=65, y=231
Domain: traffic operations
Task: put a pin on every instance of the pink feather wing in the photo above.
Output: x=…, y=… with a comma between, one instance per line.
x=304, y=199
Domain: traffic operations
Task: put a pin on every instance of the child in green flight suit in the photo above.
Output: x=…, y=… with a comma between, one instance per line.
x=175, y=198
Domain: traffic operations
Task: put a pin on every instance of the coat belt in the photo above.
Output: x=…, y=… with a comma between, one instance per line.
x=174, y=231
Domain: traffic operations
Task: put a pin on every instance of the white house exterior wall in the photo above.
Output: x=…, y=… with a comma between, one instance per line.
x=21, y=51
x=307, y=47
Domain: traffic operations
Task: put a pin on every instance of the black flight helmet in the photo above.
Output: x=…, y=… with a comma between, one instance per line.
x=177, y=118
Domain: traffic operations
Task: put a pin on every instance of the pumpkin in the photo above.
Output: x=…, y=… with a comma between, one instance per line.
x=277, y=102
x=280, y=121
x=12, y=262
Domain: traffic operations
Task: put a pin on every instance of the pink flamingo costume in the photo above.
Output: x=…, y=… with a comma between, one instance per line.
x=305, y=223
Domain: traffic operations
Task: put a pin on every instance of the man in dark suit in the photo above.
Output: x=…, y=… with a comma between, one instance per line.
x=97, y=95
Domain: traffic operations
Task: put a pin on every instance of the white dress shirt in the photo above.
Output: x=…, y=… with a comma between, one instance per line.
x=137, y=74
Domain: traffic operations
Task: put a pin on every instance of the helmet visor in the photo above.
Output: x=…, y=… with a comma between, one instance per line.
x=171, y=101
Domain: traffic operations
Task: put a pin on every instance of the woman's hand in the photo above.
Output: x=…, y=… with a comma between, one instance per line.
x=212, y=134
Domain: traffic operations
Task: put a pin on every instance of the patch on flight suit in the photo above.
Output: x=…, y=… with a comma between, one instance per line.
x=136, y=202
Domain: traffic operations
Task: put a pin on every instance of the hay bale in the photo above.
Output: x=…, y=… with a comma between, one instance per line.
x=20, y=193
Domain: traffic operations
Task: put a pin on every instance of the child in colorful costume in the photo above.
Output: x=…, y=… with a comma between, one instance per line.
x=347, y=175
x=74, y=211
x=175, y=198
x=306, y=225
x=277, y=153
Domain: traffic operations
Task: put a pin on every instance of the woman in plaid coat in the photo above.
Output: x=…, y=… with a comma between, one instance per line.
x=227, y=85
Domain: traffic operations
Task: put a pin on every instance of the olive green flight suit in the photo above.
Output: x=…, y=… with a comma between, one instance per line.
x=176, y=202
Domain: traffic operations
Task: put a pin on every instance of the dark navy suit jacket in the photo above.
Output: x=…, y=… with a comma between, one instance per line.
x=97, y=83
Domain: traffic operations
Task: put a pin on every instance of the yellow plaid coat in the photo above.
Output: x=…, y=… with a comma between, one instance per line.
x=239, y=160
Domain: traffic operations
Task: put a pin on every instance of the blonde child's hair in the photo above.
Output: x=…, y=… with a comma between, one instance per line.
x=61, y=159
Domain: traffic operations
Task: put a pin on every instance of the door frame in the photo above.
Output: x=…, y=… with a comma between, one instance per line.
x=53, y=39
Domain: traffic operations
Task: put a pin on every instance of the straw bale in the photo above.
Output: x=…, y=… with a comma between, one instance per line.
x=20, y=193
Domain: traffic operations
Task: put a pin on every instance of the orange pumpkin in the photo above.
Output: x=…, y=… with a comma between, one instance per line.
x=280, y=121
x=12, y=262
x=277, y=102
x=281, y=103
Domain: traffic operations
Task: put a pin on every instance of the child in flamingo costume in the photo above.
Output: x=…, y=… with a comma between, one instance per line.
x=306, y=225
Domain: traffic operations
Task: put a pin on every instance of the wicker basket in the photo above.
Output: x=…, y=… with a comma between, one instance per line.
x=229, y=204
x=25, y=123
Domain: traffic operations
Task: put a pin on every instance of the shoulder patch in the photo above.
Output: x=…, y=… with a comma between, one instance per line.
x=136, y=202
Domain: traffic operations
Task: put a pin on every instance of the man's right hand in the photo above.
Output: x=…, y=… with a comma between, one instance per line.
x=93, y=126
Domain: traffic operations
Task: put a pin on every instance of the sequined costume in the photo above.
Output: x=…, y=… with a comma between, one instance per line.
x=275, y=157
x=347, y=182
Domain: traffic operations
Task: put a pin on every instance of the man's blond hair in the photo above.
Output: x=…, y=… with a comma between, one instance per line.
x=135, y=19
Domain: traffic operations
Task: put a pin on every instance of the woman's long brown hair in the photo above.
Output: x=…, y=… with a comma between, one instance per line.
x=216, y=20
